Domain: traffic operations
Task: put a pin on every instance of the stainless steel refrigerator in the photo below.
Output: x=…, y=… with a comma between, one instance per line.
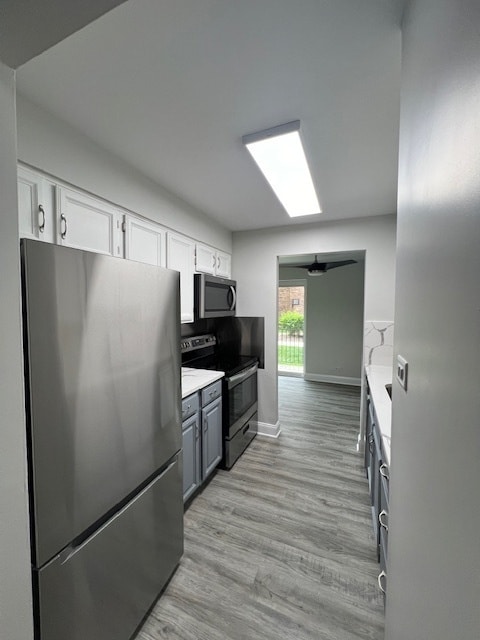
x=102, y=377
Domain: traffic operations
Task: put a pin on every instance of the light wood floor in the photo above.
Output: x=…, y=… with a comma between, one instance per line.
x=281, y=546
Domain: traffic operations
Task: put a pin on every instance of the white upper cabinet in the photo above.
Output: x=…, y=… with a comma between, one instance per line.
x=181, y=257
x=224, y=265
x=36, y=206
x=54, y=212
x=205, y=259
x=144, y=241
x=212, y=261
x=87, y=223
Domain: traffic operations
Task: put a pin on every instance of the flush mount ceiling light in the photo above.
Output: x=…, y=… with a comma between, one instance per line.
x=281, y=158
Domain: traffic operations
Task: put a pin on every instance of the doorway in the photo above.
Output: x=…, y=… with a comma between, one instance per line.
x=321, y=316
x=291, y=328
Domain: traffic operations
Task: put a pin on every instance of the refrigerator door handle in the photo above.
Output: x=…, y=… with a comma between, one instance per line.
x=74, y=548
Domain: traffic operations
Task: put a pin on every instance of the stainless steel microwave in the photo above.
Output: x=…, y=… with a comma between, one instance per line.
x=214, y=297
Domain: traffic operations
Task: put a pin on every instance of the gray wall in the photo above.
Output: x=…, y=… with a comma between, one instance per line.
x=15, y=585
x=255, y=266
x=434, y=541
x=335, y=324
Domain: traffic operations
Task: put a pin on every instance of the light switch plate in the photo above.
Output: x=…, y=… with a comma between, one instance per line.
x=402, y=371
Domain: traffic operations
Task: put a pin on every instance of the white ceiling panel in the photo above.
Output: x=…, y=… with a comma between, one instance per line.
x=172, y=86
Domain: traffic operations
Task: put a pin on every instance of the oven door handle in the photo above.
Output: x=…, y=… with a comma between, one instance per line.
x=240, y=377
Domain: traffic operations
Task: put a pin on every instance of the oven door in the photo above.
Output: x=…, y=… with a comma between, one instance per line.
x=242, y=398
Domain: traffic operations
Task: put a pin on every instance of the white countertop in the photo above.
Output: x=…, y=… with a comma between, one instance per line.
x=195, y=379
x=378, y=376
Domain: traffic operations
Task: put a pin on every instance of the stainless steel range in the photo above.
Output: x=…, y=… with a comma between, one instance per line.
x=239, y=391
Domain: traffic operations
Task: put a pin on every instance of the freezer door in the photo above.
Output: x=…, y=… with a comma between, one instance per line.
x=102, y=342
x=103, y=589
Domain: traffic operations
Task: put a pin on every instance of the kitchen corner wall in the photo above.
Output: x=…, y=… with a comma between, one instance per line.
x=255, y=267
x=434, y=509
x=16, y=621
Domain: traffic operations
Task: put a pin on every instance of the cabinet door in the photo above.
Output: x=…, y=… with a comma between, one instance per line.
x=181, y=257
x=211, y=436
x=375, y=484
x=144, y=241
x=224, y=265
x=205, y=259
x=36, y=206
x=87, y=223
x=369, y=442
x=191, y=455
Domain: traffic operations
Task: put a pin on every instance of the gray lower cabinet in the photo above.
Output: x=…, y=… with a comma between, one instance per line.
x=191, y=455
x=383, y=473
x=202, y=436
x=211, y=436
x=378, y=481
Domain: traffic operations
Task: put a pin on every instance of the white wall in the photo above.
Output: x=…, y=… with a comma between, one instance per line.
x=334, y=321
x=434, y=540
x=255, y=266
x=50, y=144
x=15, y=584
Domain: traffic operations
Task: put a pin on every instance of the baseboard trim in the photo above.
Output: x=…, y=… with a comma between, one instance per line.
x=316, y=377
x=269, y=430
x=290, y=374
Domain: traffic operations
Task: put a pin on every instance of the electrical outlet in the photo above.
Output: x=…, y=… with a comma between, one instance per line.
x=402, y=371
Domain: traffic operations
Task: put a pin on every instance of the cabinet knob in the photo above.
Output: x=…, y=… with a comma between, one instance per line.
x=381, y=515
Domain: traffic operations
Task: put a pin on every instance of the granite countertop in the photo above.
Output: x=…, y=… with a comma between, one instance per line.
x=195, y=379
x=378, y=376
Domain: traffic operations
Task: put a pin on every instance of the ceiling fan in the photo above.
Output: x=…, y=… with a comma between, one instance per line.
x=320, y=268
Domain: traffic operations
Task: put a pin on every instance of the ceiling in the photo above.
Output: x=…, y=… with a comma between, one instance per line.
x=172, y=86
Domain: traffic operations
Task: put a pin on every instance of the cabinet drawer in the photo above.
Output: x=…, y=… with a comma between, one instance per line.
x=190, y=406
x=212, y=392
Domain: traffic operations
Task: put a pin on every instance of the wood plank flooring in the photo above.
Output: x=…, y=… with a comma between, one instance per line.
x=281, y=546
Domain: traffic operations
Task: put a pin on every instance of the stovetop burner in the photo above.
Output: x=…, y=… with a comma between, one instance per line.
x=229, y=364
x=203, y=352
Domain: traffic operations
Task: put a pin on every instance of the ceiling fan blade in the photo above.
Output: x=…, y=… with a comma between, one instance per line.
x=314, y=265
x=324, y=266
x=342, y=263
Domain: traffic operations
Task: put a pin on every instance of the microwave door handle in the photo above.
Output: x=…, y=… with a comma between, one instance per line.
x=234, y=297
x=240, y=377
